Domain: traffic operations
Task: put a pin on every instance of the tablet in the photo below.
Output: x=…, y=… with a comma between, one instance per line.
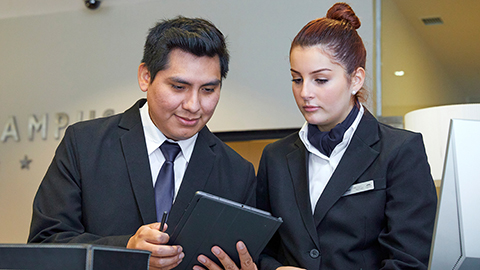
x=210, y=221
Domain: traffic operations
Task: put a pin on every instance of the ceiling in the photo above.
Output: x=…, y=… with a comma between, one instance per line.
x=20, y=8
x=455, y=43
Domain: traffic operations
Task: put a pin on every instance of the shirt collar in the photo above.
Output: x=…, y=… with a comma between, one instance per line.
x=154, y=137
x=303, y=134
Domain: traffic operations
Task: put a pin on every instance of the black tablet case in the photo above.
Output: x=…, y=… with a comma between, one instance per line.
x=210, y=220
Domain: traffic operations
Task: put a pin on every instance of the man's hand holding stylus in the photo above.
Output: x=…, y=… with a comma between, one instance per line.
x=150, y=238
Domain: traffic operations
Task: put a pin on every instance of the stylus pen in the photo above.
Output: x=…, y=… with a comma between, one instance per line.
x=162, y=224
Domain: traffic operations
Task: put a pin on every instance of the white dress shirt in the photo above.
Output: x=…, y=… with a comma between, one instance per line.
x=154, y=138
x=321, y=167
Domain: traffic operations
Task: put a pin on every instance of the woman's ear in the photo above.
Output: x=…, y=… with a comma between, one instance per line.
x=143, y=77
x=358, y=79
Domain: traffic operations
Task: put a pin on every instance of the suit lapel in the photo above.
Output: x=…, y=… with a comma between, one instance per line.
x=138, y=165
x=357, y=158
x=297, y=165
x=195, y=178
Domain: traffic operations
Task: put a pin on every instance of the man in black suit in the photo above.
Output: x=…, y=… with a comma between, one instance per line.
x=99, y=187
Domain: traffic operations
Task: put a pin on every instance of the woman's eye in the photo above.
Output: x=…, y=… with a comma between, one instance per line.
x=296, y=81
x=321, y=81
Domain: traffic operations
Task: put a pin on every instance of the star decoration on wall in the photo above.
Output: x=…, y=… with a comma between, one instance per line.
x=25, y=163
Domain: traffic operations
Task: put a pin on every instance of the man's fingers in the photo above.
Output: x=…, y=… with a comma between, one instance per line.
x=165, y=262
x=226, y=261
x=245, y=258
x=156, y=226
x=164, y=257
x=209, y=264
x=166, y=251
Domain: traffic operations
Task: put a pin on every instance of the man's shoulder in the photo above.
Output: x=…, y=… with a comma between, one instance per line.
x=124, y=120
x=96, y=126
x=220, y=148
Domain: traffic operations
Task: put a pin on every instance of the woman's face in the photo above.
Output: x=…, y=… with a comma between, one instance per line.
x=321, y=88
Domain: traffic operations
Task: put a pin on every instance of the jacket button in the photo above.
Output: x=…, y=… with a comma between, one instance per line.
x=314, y=253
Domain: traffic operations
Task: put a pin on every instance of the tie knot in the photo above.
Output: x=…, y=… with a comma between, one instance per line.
x=170, y=150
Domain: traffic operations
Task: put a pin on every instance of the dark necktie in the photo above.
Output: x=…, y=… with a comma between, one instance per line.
x=165, y=185
x=326, y=141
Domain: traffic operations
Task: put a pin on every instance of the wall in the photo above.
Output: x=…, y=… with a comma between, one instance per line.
x=425, y=82
x=71, y=61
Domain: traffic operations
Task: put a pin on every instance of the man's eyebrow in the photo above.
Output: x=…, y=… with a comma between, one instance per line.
x=179, y=80
x=214, y=82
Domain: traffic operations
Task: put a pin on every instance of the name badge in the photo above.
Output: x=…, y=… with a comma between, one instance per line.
x=360, y=187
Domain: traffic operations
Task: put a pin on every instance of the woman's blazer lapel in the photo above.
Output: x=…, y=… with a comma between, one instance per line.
x=297, y=162
x=357, y=158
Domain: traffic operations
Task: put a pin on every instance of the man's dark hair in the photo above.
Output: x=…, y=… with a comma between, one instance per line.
x=193, y=35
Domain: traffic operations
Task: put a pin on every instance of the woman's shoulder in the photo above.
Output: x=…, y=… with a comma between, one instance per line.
x=397, y=138
x=285, y=144
x=394, y=133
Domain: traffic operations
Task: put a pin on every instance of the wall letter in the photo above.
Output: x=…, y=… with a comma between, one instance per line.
x=35, y=125
x=10, y=129
x=108, y=112
x=91, y=115
x=80, y=116
x=61, y=122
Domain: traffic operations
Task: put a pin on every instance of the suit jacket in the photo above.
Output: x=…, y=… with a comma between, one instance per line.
x=387, y=225
x=98, y=188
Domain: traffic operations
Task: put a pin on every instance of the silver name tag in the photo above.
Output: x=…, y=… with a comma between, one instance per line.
x=361, y=187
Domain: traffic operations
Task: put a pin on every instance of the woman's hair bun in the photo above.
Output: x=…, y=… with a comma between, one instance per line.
x=343, y=12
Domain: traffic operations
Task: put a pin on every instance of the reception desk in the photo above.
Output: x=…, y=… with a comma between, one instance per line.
x=71, y=257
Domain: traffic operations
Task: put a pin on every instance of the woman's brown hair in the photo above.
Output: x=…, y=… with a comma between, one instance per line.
x=337, y=34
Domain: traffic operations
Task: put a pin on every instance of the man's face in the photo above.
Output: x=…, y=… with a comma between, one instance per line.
x=182, y=97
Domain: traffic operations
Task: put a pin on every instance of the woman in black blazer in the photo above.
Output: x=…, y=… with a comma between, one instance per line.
x=353, y=193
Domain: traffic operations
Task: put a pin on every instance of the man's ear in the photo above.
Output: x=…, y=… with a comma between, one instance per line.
x=358, y=79
x=143, y=77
